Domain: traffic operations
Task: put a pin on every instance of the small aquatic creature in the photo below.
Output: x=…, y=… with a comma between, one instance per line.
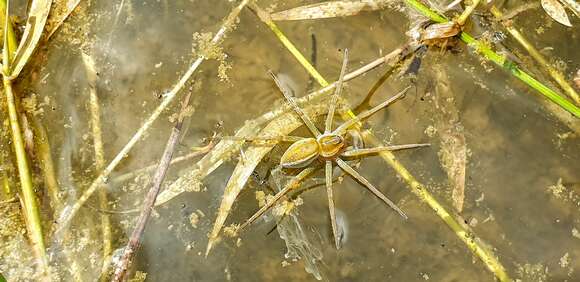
x=331, y=147
x=440, y=34
x=441, y=31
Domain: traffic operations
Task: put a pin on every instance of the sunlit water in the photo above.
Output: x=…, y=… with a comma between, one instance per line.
x=514, y=150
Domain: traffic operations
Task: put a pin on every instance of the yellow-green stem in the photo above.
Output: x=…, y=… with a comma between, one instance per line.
x=463, y=17
x=11, y=38
x=46, y=163
x=463, y=232
x=95, y=116
x=501, y=61
x=30, y=206
x=28, y=199
x=520, y=38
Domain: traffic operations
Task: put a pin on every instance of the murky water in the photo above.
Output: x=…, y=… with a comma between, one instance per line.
x=516, y=150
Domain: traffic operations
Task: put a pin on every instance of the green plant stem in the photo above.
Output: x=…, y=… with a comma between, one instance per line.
x=28, y=199
x=520, y=38
x=29, y=204
x=501, y=61
x=463, y=232
x=46, y=163
x=11, y=38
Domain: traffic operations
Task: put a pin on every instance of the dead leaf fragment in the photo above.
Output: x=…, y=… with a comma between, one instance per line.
x=331, y=9
x=556, y=11
x=34, y=26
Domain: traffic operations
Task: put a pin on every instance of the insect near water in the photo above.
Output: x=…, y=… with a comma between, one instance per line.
x=328, y=148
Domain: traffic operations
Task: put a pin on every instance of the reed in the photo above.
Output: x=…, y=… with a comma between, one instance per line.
x=29, y=202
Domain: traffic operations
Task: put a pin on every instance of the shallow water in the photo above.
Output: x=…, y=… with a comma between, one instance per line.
x=514, y=147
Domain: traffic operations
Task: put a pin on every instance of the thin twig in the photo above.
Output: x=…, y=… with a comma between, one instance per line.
x=135, y=239
x=195, y=153
x=68, y=214
x=95, y=115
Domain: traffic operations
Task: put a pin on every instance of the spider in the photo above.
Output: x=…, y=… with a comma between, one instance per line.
x=330, y=147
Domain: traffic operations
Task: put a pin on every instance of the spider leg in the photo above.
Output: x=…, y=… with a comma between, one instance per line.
x=328, y=173
x=295, y=106
x=343, y=127
x=369, y=186
x=338, y=89
x=266, y=139
x=368, y=151
x=289, y=186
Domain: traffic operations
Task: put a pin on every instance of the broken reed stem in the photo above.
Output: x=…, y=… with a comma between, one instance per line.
x=28, y=197
x=95, y=122
x=463, y=232
x=501, y=61
x=467, y=12
x=149, y=202
x=520, y=38
x=46, y=163
x=196, y=153
x=68, y=214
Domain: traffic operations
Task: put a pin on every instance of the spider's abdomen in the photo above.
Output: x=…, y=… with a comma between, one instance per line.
x=300, y=154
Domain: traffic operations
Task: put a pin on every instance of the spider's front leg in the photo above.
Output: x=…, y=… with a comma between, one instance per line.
x=293, y=183
x=360, y=153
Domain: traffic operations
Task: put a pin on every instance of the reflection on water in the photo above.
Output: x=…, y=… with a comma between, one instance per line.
x=521, y=191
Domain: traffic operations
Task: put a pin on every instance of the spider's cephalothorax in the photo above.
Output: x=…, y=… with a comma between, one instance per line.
x=331, y=147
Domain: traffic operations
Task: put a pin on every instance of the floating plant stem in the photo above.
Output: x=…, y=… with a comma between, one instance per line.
x=95, y=116
x=501, y=61
x=463, y=232
x=196, y=152
x=46, y=163
x=149, y=202
x=520, y=38
x=28, y=199
x=265, y=17
x=68, y=214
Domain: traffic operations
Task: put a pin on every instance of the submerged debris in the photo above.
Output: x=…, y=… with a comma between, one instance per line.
x=453, y=152
x=298, y=245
